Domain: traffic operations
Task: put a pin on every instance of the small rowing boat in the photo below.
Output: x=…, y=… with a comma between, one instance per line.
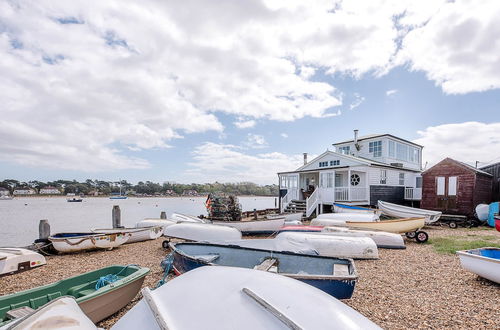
x=202, y=232
x=99, y=293
x=397, y=226
x=335, y=246
x=343, y=208
x=179, y=217
x=326, y=218
x=484, y=262
x=76, y=242
x=335, y=276
x=13, y=260
x=255, y=227
x=228, y=298
x=136, y=234
x=400, y=211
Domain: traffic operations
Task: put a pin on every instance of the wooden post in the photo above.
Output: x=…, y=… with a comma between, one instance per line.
x=43, y=229
x=163, y=215
x=275, y=202
x=116, y=217
x=255, y=214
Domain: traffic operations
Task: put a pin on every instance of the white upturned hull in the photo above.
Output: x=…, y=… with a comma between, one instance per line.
x=273, y=244
x=178, y=217
x=202, y=232
x=254, y=227
x=400, y=211
x=164, y=223
x=486, y=267
x=15, y=259
x=382, y=239
x=239, y=298
x=327, y=222
x=289, y=217
x=136, y=234
x=362, y=217
x=338, y=208
x=335, y=246
x=88, y=242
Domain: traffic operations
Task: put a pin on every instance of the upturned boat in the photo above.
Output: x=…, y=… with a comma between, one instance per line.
x=400, y=211
x=484, y=262
x=227, y=298
x=290, y=218
x=255, y=227
x=75, y=242
x=202, y=232
x=150, y=222
x=136, y=234
x=99, y=293
x=62, y=311
x=335, y=276
x=326, y=217
x=335, y=246
x=497, y=222
x=179, y=217
x=13, y=260
x=343, y=208
x=273, y=244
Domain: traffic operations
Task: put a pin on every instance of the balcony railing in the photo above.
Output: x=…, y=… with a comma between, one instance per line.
x=413, y=194
x=342, y=194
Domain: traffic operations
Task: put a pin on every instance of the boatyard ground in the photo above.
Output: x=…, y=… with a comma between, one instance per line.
x=414, y=288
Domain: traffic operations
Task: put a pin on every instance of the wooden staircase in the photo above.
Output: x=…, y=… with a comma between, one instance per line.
x=296, y=206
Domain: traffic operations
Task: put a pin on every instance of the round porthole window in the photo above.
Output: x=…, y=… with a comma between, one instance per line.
x=355, y=179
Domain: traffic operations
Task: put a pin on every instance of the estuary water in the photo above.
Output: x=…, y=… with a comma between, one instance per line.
x=19, y=217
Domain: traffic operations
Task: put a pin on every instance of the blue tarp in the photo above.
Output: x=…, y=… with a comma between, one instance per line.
x=494, y=207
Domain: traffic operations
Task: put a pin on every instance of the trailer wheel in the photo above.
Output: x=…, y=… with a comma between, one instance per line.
x=411, y=234
x=422, y=237
x=453, y=225
x=164, y=244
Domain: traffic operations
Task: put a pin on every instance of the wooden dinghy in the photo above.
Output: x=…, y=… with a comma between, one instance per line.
x=250, y=299
x=191, y=231
x=411, y=227
x=62, y=312
x=335, y=246
x=484, y=262
x=75, y=242
x=343, y=208
x=120, y=284
x=256, y=227
x=400, y=211
x=13, y=260
x=136, y=234
x=335, y=276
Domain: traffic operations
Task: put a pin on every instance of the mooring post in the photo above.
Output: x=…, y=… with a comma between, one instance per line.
x=255, y=214
x=116, y=217
x=163, y=215
x=44, y=229
x=275, y=202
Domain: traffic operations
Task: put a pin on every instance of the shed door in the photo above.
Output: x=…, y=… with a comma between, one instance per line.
x=446, y=191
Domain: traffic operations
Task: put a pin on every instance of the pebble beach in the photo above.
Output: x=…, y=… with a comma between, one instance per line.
x=405, y=289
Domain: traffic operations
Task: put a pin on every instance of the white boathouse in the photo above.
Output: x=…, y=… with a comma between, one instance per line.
x=359, y=172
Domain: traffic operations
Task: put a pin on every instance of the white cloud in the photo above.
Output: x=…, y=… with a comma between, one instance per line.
x=222, y=162
x=467, y=142
x=358, y=99
x=284, y=135
x=391, y=92
x=245, y=123
x=256, y=141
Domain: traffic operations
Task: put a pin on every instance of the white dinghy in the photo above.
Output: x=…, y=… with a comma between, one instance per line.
x=361, y=217
x=255, y=227
x=237, y=298
x=206, y=232
x=136, y=234
x=76, y=242
x=381, y=238
x=290, y=218
x=484, y=262
x=344, y=208
x=273, y=244
x=186, y=218
x=400, y=211
x=13, y=260
x=150, y=222
x=335, y=246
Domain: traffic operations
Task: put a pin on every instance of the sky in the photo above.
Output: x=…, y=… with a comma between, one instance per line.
x=231, y=91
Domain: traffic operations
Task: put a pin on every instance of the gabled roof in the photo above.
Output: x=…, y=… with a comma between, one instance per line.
x=372, y=136
x=462, y=164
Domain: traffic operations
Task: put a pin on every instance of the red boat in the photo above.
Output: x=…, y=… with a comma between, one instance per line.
x=497, y=222
x=303, y=229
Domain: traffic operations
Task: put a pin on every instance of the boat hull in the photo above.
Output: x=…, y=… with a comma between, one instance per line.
x=136, y=234
x=13, y=260
x=382, y=239
x=342, y=208
x=497, y=223
x=340, y=287
x=202, y=232
x=484, y=262
x=164, y=223
x=80, y=242
x=258, y=227
x=363, y=217
x=400, y=211
x=398, y=226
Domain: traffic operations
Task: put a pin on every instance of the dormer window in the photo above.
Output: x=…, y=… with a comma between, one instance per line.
x=345, y=150
x=375, y=148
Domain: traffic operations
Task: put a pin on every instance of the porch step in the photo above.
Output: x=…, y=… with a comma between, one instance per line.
x=296, y=206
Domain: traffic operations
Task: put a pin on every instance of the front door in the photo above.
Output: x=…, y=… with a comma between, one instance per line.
x=446, y=193
x=327, y=186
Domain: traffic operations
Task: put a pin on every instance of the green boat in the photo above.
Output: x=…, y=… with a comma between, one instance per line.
x=116, y=287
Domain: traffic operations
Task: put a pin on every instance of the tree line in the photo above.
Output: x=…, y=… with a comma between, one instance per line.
x=89, y=187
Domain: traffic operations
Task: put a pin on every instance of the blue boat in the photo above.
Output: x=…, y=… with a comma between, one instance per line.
x=344, y=208
x=118, y=197
x=334, y=276
x=493, y=209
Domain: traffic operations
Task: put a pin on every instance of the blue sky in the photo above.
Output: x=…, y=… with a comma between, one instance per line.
x=238, y=97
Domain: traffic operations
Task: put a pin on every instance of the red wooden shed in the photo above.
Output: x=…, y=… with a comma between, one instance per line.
x=454, y=187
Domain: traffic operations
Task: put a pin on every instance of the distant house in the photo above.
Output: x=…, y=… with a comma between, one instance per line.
x=189, y=193
x=454, y=187
x=360, y=171
x=50, y=191
x=24, y=191
x=494, y=170
x=4, y=191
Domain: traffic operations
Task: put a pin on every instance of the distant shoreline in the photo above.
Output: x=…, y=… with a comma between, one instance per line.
x=108, y=196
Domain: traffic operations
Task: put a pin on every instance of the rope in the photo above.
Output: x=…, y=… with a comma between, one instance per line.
x=110, y=278
x=166, y=264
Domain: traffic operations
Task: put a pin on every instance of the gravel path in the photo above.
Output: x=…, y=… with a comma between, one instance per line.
x=412, y=288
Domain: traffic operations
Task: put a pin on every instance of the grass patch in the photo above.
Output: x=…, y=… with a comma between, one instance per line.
x=453, y=244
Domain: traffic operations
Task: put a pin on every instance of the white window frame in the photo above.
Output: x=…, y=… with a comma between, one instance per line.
x=401, y=178
x=375, y=148
x=392, y=149
x=383, y=176
x=345, y=150
x=440, y=185
x=452, y=183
